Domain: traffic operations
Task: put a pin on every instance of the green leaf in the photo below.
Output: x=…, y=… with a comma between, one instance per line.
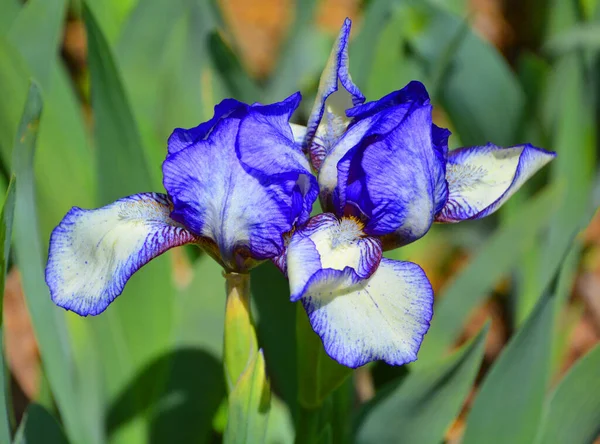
x=249, y=405
x=47, y=319
x=6, y=221
x=421, y=406
x=121, y=157
x=493, y=260
x=37, y=426
x=480, y=111
x=36, y=33
x=318, y=374
x=584, y=36
x=509, y=404
x=10, y=9
x=572, y=411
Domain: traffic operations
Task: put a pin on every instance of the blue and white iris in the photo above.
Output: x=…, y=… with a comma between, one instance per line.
x=385, y=175
x=237, y=214
x=240, y=186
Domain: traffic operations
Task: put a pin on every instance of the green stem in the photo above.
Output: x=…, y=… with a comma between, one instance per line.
x=308, y=425
x=240, y=344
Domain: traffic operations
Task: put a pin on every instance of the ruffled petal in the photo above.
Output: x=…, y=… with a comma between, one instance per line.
x=480, y=179
x=93, y=253
x=381, y=318
x=336, y=93
x=182, y=138
x=394, y=179
x=267, y=149
x=332, y=246
x=216, y=197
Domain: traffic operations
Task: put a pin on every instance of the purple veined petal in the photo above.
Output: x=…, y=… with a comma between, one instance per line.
x=384, y=317
x=333, y=246
x=336, y=94
x=480, y=179
x=267, y=149
x=94, y=252
x=182, y=138
x=394, y=179
x=216, y=198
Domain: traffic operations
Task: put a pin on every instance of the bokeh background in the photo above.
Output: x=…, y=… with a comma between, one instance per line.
x=118, y=75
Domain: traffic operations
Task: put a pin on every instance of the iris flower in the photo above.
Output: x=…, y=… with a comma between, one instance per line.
x=385, y=175
x=236, y=213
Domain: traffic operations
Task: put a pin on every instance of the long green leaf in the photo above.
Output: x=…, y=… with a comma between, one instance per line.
x=489, y=264
x=48, y=320
x=422, y=405
x=6, y=221
x=36, y=33
x=121, y=160
x=573, y=409
x=38, y=426
x=508, y=407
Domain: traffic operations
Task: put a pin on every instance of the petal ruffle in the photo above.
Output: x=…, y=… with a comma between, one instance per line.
x=182, y=138
x=267, y=149
x=381, y=318
x=217, y=198
x=480, y=179
x=336, y=94
x=94, y=252
x=333, y=247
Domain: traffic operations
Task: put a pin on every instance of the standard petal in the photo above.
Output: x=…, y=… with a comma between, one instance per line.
x=182, y=138
x=216, y=198
x=336, y=94
x=480, y=179
x=393, y=179
x=332, y=246
x=381, y=318
x=94, y=252
x=267, y=149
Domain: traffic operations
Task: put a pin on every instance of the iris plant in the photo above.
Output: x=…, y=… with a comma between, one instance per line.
x=240, y=186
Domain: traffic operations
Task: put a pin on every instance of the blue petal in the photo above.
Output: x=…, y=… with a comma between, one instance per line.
x=480, y=179
x=216, y=197
x=332, y=246
x=94, y=252
x=383, y=317
x=393, y=178
x=336, y=93
x=266, y=148
x=182, y=138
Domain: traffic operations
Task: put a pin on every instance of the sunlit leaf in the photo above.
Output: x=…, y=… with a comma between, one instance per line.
x=420, y=407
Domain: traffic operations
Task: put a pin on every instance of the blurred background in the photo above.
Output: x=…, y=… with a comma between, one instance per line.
x=118, y=75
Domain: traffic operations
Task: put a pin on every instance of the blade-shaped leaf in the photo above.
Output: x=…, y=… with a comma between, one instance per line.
x=37, y=426
x=6, y=221
x=47, y=319
x=249, y=405
x=420, y=407
x=573, y=409
x=509, y=404
x=121, y=160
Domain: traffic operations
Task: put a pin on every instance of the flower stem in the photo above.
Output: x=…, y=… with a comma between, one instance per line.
x=240, y=344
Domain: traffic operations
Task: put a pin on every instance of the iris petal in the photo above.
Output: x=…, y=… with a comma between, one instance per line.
x=94, y=252
x=267, y=149
x=335, y=95
x=395, y=178
x=244, y=211
x=381, y=318
x=328, y=245
x=480, y=179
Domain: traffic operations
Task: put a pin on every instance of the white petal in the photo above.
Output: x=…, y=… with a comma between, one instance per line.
x=381, y=318
x=480, y=179
x=94, y=252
